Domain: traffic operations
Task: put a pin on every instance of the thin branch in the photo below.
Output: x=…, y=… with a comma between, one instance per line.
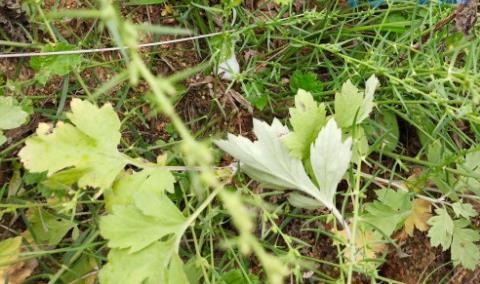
x=105, y=49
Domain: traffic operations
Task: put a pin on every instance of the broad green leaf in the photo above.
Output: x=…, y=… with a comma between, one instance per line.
x=147, y=266
x=268, y=160
x=465, y=210
x=307, y=81
x=79, y=271
x=135, y=227
x=306, y=118
x=176, y=273
x=156, y=180
x=89, y=145
x=193, y=269
x=330, y=158
x=388, y=212
x=11, y=115
x=47, y=228
x=48, y=66
x=353, y=106
x=441, y=230
x=464, y=250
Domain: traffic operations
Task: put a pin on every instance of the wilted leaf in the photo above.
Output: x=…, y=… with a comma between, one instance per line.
x=418, y=217
x=368, y=245
x=13, y=269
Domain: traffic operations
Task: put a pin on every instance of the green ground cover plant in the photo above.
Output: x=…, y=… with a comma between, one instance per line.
x=239, y=142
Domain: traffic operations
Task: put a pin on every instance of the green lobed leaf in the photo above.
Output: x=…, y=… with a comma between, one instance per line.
x=441, y=230
x=48, y=66
x=89, y=144
x=464, y=250
x=137, y=226
x=306, y=118
x=389, y=211
x=155, y=180
x=353, y=106
x=147, y=266
x=307, y=81
x=11, y=114
x=465, y=210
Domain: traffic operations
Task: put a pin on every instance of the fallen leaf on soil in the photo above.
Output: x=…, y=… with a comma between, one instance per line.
x=418, y=217
x=368, y=245
x=12, y=269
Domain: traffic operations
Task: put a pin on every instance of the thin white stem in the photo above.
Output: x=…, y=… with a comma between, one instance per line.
x=106, y=49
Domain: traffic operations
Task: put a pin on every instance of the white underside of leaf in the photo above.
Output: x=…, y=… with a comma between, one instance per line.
x=268, y=161
x=330, y=158
x=229, y=68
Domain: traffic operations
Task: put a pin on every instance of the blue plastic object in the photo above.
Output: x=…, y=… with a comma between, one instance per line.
x=376, y=3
